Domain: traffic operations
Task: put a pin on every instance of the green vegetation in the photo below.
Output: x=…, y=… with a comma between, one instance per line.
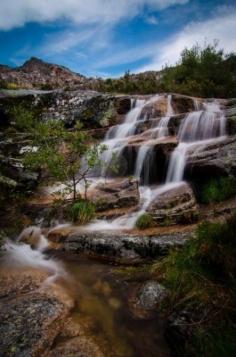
x=201, y=71
x=60, y=152
x=24, y=119
x=145, y=83
x=82, y=211
x=144, y=221
x=206, y=72
x=201, y=279
x=218, y=190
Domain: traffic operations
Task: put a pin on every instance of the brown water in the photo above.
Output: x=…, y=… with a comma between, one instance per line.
x=102, y=309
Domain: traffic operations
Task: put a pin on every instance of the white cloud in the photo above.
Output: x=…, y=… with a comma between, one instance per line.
x=152, y=20
x=15, y=13
x=220, y=27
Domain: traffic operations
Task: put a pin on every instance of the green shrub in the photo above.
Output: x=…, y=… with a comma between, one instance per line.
x=218, y=190
x=201, y=278
x=23, y=117
x=82, y=212
x=144, y=221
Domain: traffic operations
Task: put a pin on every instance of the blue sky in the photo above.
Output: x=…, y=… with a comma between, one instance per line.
x=107, y=37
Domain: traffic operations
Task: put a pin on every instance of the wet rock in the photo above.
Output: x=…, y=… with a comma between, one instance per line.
x=123, y=105
x=29, y=324
x=217, y=158
x=122, y=248
x=174, y=124
x=35, y=318
x=151, y=294
x=182, y=104
x=78, y=346
x=115, y=194
x=160, y=152
x=176, y=205
x=31, y=235
x=157, y=108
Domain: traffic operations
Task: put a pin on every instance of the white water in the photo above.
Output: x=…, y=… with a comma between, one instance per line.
x=158, y=132
x=115, y=138
x=197, y=129
x=21, y=255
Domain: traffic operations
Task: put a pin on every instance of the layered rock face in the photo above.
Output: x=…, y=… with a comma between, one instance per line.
x=175, y=205
x=144, y=131
x=115, y=194
x=92, y=109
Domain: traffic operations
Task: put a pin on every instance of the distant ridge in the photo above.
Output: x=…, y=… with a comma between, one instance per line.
x=38, y=74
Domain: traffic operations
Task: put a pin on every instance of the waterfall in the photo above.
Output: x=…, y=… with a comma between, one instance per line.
x=197, y=128
x=21, y=255
x=158, y=132
x=115, y=138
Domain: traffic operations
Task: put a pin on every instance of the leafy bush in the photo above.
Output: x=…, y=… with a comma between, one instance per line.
x=144, y=221
x=82, y=211
x=201, y=278
x=201, y=71
x=23, y=117
x=218, y=190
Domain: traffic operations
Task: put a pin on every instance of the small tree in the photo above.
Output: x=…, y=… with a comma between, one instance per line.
x=69, y=156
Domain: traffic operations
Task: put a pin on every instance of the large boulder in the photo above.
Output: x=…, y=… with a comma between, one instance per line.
x=35, y=319
x=116, y=193
x=176, y=204
x=117, y=247
x=182, y=103
x=151, y=294
x=217, y=157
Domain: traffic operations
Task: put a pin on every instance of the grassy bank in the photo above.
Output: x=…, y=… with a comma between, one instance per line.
x=201, y=279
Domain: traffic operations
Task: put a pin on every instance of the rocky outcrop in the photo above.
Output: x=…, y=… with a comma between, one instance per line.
x=36, y=321
x=217, y=158
x=160, y=151
x=122, y=248
x=115, y=194
x=145, y=300
x=177, y=204
x=151, y=294
x=36, y=73
x=92, y=109
x=183, y=103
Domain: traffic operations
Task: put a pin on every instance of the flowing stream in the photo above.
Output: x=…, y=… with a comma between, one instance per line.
x=103, y=304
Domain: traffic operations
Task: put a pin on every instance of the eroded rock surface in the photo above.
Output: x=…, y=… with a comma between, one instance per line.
x=35, y=319
x=120, y=247
x=115, y=194
x=176, y=205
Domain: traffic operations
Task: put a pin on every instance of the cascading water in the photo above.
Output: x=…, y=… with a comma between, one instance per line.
x=127, y=221
x=197, y=129
x=21, y=255
x=116, y=136
x=158, y=132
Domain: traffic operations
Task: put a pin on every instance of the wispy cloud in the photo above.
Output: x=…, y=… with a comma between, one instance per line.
x=152, y=20
x=15, y=13
x=219, y=27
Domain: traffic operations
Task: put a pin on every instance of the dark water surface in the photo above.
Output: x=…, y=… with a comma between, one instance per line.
x=103, y=310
